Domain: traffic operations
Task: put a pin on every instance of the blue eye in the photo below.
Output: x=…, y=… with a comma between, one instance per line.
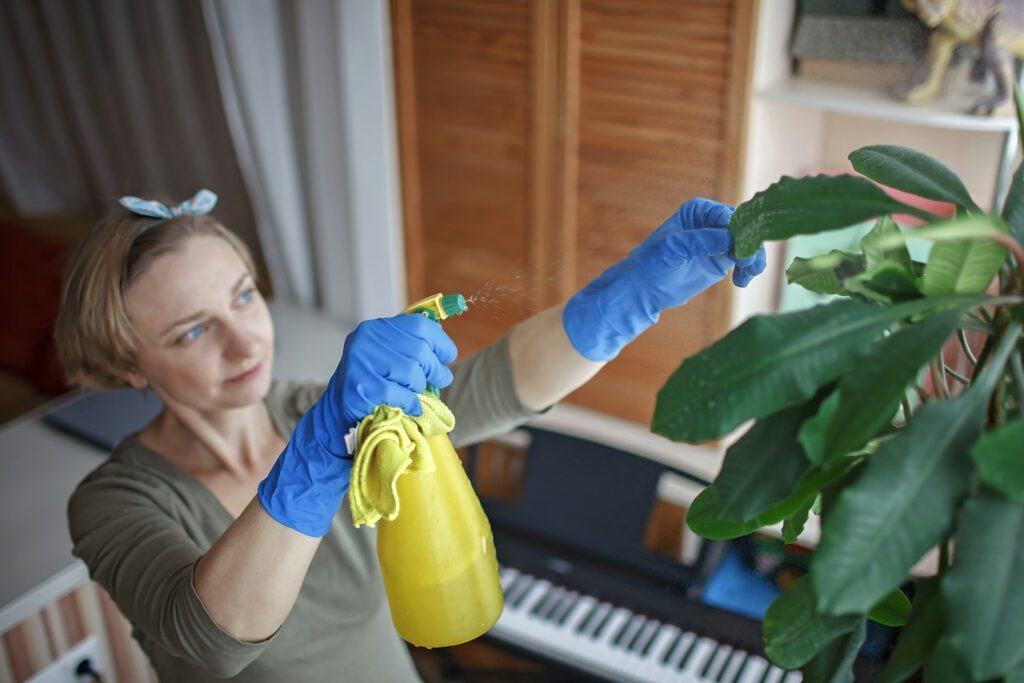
x=245, y=297
x=193, y=333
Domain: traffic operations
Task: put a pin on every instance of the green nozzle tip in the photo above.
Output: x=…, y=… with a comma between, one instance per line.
x=453, y=304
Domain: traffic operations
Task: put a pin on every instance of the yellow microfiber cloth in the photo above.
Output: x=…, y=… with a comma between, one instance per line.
x=391, y=442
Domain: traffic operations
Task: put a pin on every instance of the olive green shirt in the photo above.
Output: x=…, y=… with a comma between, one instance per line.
x=141, y=524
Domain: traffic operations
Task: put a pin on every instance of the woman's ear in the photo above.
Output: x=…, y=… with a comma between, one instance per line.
x=135, y=379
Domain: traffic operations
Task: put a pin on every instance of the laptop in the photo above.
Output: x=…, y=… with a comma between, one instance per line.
x=104, y=418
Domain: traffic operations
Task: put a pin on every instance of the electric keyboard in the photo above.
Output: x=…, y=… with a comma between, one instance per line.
x=583, y=594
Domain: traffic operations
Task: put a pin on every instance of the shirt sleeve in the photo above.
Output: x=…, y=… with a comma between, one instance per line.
x=144, y=559
x=483, y=398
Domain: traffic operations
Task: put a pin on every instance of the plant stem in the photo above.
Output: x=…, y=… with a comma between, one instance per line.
x=1017, y=370
x=943, y=555
x=939, y=379
x=906, y=409
x=1011, y=245
x=921, y=394
x=956, y=375
x=962, y=336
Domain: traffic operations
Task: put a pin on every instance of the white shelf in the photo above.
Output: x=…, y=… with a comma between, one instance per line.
x=873, y=102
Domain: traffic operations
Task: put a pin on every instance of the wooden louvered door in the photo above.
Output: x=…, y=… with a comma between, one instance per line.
x=542, y=139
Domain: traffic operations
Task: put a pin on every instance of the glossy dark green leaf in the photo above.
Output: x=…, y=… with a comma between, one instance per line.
x=1013, y=209
x=824, y=274
x=812, y=432
x=794, y=631
x=919, y=636
x=834, y=663
x=907, y=169
x=773, y=362
x=886, y=283
x=870, y=393
x=876, y=251
x=999, y=458
x=984, y=589
x=904, y=501
x=892, y=610
x=944, y=665
x=794, y=525
x=899, y=508
x=765, y=465
x=705, y=516
x=803, y=206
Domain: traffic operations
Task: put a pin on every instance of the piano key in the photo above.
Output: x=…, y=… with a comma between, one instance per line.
x=508, y=575
x=606, y=631
x=565, y=607
x=775, y=675
x=753, y=670
x=577, y=616
x=694, y=664
x=547, y=602
x=628, y=632
x=645, y=637
x=733, y=667
x=717, y=663
x=682, y=648
x=519, y=585
x=793, y=677
x=601, y=615
x=535, y=593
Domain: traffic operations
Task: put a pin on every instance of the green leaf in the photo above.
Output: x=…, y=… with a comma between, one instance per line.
x=772, y=362
x=886, y=282
x=945, y=665
x=794, y=525
x=1018, y=101
x=965, y=259
x=1013, y=209
x=765, y=465
x=824, y=273
x=984, y=589
x=870, y=393
x=875, y=250
x=812, y=433
x=918, y=638
x=793, y=629
x=804, y=206
x=962, y=267
x=899, y=508
x=999, y=461
x=705, y=516
x=873, y=535
x=907, y=169
x=834, y=663
x=892, y=610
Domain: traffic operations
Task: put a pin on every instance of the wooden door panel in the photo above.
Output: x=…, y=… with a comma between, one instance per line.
x=542, y=139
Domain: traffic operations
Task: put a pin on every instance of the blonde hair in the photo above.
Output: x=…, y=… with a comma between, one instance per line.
x=94, y=336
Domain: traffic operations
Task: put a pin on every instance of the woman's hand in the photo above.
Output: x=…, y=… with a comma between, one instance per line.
x=385, y=361
x=691, y=251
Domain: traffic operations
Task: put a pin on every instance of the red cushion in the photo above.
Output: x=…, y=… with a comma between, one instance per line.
x=30, y=272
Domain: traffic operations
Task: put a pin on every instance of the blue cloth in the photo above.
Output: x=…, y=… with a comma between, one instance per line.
x=387, y=361
x=688, y=253
x=737, y=588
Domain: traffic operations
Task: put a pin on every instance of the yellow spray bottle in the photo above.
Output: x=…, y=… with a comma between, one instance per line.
x=437, y=554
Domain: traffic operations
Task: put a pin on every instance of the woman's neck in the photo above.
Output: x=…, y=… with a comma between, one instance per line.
x=232, y=441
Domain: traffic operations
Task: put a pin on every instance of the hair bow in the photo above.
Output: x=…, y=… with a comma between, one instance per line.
x=199, y=205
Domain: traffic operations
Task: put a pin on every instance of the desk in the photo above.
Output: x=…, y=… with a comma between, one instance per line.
x=40, y=467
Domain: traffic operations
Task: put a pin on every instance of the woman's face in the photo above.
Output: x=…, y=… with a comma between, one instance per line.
x=204, y=338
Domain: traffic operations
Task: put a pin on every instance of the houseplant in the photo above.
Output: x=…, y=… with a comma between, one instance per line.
x=842, y=427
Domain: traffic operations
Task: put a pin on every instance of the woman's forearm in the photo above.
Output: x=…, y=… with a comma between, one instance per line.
x=250, y=578
x=545, y=366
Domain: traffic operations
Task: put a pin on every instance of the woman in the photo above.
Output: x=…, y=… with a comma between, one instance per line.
x=218, y=528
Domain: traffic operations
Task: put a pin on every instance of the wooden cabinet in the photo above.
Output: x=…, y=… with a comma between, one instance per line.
x=542, y=139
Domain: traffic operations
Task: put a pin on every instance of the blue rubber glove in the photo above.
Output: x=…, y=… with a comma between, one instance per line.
x=691, y=251
x=385, y=361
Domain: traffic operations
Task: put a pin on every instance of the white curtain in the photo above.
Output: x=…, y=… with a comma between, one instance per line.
x=307, y=88
x=111, y=97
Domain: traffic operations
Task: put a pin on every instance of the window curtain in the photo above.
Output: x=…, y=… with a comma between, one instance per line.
x=307, y=88
x=112, y=97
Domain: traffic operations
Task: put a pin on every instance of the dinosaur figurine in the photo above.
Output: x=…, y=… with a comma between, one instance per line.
x=995, y=27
